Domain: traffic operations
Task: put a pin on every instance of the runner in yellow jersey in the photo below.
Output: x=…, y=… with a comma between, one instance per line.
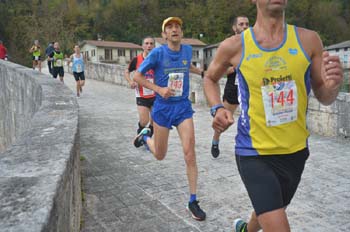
x=36, y=54
x=57, y=58
x=277, y=65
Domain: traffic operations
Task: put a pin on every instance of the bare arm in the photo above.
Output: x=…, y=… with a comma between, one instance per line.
x=195, y=70
x=70, y=60
x=165, y=92
x=326, y=70
x=228, y=54
x=132, y=84
x=132, y=67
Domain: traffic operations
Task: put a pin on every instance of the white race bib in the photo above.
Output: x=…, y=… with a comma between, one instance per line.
x=147, y=92
x=79, y=68
x=36, y=57
x=59, y=63
x=175, y=82
x=280, y=103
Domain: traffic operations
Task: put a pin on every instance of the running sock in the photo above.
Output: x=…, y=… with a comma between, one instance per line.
x=140, y=128
x=151, y=128
x=145, y=137
x=215, y=142
x=193, y=197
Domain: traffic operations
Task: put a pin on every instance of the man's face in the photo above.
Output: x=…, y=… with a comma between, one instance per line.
x=77, y=49
x=56, y=46
x=173, y=32
x=274, y=6
x=148, y=45
x=241, y=25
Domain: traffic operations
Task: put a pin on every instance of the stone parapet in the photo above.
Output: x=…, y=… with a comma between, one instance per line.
x=39, y=164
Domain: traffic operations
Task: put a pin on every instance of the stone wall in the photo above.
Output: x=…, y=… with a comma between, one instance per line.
x=39, y=164
x=20, y=99
x=333, y=120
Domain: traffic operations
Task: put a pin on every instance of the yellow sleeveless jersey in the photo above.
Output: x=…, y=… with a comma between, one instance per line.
x=274, y=85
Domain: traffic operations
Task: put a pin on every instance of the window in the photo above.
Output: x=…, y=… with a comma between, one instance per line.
x=345, y=49
x=93, y=53
x=121, y=52
x=108, y=54
x=195, y=54
x=133, y=53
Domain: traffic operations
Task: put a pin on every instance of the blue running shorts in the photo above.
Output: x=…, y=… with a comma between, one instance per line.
x=168, y=114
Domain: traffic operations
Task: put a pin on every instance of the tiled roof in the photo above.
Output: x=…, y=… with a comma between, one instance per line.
x=212, y=46
x=111, y=44
x=190, y=41
x=345, y=44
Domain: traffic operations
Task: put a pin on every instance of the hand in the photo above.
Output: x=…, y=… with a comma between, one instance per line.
x=166, y=92
x=223, y=119
x=333, y=71
x=230, y=70
x=133, y=84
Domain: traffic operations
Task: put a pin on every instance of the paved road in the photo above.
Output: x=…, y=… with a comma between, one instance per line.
x=126, y=189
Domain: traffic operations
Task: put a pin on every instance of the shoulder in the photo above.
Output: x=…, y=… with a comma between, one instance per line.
x=310, y=40
x=230, y=50
x=231, y=43
x=186, y=46
x=156, y=52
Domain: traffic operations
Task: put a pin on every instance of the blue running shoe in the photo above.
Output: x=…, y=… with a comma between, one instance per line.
x=240, y=225
x=138, y=141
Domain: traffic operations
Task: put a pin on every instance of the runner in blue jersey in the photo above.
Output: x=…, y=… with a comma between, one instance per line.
x=172, y=64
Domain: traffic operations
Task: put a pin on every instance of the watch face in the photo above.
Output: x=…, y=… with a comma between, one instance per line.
x=212, y=112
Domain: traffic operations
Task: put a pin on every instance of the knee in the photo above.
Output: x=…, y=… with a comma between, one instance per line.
x=190, y=158
x=159, y=156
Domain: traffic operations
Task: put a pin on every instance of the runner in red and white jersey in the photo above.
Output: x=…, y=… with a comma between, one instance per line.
x=144, y=97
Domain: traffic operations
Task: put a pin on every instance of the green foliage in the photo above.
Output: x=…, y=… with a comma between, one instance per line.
x=71, y=21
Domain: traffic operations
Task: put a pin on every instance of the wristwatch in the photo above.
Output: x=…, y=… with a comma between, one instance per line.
x=215, y=108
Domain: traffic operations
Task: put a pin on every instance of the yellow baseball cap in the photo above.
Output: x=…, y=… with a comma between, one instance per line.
x=171, y=19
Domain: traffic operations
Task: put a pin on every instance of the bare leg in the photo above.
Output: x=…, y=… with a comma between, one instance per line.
x=253, y=224
x=78, y=88
x=186, y=133
x=144, y=115
x=82, y=83
x=158, y=145
x=39, y=65
x=272, y=221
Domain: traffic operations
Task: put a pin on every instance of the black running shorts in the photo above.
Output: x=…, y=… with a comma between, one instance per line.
x=147, y=102
x=79, y=76
x=57, y=71
x=38, y=58
x=271, y=180
x=231, y=91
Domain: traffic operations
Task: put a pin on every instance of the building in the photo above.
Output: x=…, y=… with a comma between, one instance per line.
x=110, y=51
x=209, y=53
x=197, y=49
x=343, y=51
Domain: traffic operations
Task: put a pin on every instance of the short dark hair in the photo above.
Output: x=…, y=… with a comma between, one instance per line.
x=236, y=19
x=148, y=37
